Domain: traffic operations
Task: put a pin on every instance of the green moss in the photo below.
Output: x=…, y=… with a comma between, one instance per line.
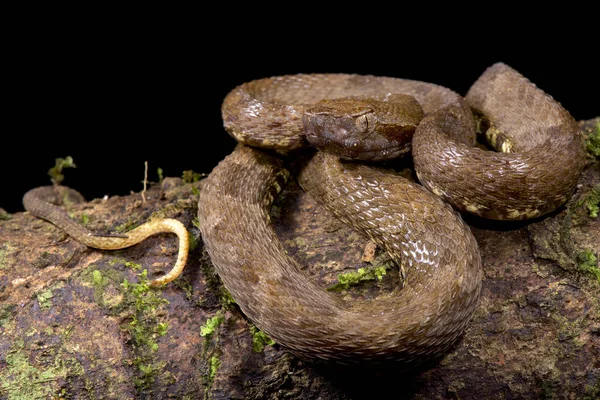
x=592, y=143
x=43, y=299
x=191, y=176
x=4, y=216
x=147, y=373
x=349, y=279
x=159, y=172
x=56, y=172
x=214, y=366
x=259, y=339
x=85, y=220
x=196, y=222
x=99, y=282
x=145, y=328
x=211, y=324
x=588, y=262
x=127, y=225
x=97, y=278
x=185, y=285
x=128, y=264
x=195, y=190
x=592, y=201
x=193, y=241
x=226, y=299
x=6, y=314
x=132, y=265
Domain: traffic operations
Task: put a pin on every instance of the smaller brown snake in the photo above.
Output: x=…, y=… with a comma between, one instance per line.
x=42, y=202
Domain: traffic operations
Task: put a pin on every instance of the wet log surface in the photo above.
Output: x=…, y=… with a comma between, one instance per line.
x=82, y=323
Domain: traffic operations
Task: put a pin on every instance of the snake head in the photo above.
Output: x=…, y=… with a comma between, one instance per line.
x=354, y=128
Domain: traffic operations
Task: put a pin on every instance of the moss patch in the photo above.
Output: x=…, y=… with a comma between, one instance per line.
x=349, y=279
x=214, y=366
x=56, y=172
x=145, y=328
x=4, y=216
x=23, y=380
x=592, y=143
x=592, y=202
x=588, y=262
x=259, y=339
x=210, y=325
x=191, y=176
x=128, y=225
x=44, y=299
x=6, y=314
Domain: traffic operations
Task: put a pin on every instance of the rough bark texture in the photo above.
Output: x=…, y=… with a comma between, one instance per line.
x=83, y=324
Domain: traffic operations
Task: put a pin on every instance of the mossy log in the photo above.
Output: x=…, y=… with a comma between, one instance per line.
x=80, y=323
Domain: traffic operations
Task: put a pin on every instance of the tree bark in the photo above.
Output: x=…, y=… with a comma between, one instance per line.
x=81, y=323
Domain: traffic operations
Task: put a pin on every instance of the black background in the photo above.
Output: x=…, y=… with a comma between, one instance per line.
x=113, y=97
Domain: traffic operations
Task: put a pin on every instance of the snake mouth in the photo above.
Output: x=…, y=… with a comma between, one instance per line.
x=353, y=149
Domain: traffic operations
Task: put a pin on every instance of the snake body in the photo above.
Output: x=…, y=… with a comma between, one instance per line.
x=537, y=170
x=429, y=240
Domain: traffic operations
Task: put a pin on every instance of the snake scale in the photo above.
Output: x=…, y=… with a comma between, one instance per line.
x=540, y=158
x=537, y=170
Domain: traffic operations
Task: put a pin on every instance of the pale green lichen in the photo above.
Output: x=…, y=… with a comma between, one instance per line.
x=349, y=279
x=56, y=172
x=21, y=380
x=43, y=299
x=6, y=314
x=588, y=262
x=259, y=339
x=104, y=283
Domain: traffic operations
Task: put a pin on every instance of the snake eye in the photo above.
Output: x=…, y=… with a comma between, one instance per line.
x=364, y=122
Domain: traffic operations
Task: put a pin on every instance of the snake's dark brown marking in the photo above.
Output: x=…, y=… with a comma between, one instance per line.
x=420, y=232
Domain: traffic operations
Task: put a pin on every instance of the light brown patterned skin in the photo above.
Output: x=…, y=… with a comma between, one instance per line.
x=268, y=113
x=543, y=151
x=439, y=256
x=429, y=240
